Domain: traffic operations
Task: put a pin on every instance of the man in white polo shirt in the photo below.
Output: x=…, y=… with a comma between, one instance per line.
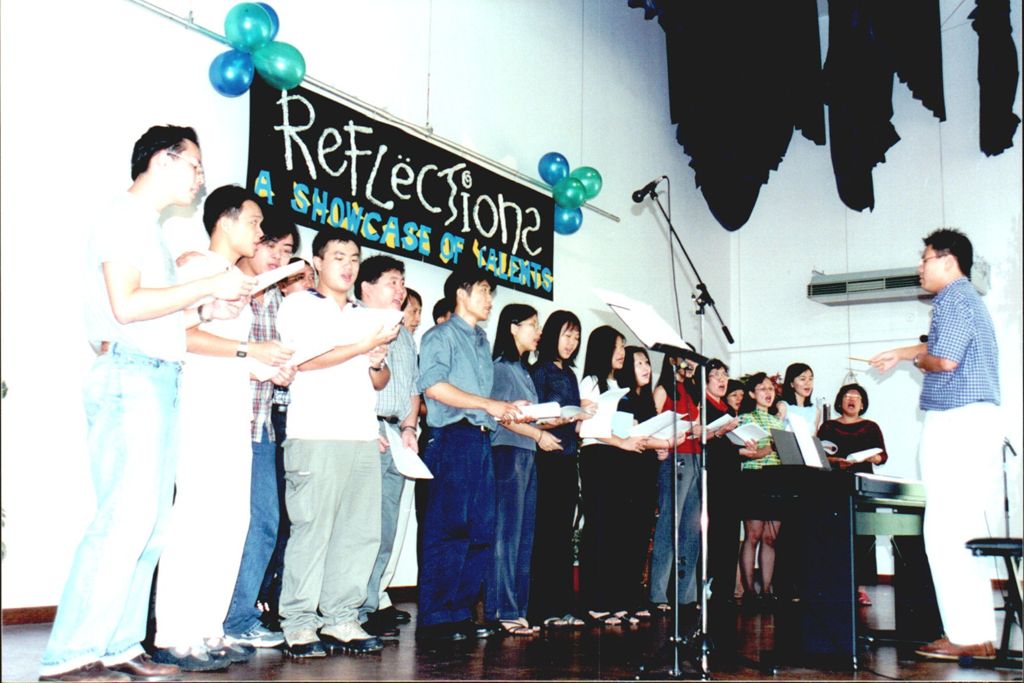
x=332, y=457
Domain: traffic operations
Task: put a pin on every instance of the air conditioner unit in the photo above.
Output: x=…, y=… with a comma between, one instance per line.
x=873, y=286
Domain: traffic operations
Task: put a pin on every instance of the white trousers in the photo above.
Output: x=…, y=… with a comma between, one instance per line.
x=206, y=534
x=960, y=468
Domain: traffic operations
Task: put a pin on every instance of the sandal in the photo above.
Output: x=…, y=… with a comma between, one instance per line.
x=663, y=607
x=517, y=627
x=625, y=617
x=555, y=622
x=572, y=621
x=605, y=618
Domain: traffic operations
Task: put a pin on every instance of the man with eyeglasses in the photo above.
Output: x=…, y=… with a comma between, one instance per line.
x=960, y=446
x=136, y=316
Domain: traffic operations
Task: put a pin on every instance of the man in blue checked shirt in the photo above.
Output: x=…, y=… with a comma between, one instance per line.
x=960, y=442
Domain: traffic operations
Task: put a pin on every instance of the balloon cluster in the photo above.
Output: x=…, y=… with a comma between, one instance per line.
x=569, y=189
x=250, y=28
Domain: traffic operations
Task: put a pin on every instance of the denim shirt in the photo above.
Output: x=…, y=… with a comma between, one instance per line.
x=512, y=383
x=558, y=384
x=460, y=355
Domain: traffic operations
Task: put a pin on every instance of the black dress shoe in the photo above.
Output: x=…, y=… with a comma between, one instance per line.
x=476, y=630
x=401, y=616
x=143, y=668
x=381, y=629
x=93, y=671
x=305, y=650
x=439, y=634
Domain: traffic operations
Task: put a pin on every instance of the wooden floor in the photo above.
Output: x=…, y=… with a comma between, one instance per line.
x=614, y=653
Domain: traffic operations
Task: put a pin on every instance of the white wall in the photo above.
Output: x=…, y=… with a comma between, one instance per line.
x=512, y=80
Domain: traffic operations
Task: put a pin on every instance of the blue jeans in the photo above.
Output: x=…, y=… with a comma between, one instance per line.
x=392, y=483
x=688, y=501
x=131, y=408
x=458, y=525
x=260, y=539
x=515, y=481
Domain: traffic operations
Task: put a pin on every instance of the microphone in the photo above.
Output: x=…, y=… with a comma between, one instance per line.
x=647, y=189
x=923, y=338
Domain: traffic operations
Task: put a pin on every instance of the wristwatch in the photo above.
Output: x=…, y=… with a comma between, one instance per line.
x=243, y=349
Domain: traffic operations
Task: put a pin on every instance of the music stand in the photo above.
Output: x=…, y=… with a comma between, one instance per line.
x=657, y=335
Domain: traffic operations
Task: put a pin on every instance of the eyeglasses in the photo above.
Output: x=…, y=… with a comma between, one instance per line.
x=926, y=259
x=197, y=166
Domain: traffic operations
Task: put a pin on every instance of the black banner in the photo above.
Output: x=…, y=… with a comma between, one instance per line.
x=337, y=168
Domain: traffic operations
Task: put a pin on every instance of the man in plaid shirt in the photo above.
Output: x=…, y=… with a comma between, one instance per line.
x=960, y=443
x=242, y=623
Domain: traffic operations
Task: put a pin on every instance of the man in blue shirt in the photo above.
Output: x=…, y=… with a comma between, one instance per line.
x=456, y=374
x=960, y=441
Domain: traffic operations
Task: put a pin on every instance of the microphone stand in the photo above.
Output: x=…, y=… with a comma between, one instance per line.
x=699, y=642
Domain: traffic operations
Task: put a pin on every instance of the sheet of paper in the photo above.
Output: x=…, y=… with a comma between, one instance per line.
x=263, y=372
x=600, y=425
x=622, y=424
x=542, y=411
x=642, y=319
x=747, y=432
x=720, y=422
x=274, y=276
x=861, y=456
x=660, y=426
x=407, y=463
x=381, y=317
x=805, y=440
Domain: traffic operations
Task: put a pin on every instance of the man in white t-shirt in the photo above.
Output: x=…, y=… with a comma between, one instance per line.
x=332, y=456
x=136, y=316
x=210, y=517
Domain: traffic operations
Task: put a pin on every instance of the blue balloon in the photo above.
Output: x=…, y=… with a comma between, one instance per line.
x=567, y=221
x=231, y=72
x=552, y=167
x=275, y=23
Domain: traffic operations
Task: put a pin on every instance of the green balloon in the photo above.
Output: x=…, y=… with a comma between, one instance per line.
x=590, y=178
x=248, y=27
x=280, y=64
x=569, y=193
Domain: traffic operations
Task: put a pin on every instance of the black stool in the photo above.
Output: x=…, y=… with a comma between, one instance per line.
x=1010, y=549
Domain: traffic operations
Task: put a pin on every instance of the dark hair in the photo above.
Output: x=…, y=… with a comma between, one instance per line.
x=411, y=293
x=328, y=235
x=442, y=307
x=952, y=241
x=626, y=375
x=226, y=200
x=749, y=405
x=838, y=405
x=715, y=364
x=600, y=347
x=157, y=139
x=792, y=372
x=504, y=341
x=372, y=268
x=277, y=225
x=547, y=349
x=465, y=276
x=734, y=385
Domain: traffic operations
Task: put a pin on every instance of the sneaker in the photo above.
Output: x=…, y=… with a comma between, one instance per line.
x=190, y=659
x=258, y=636
x=233, y=652
x=304, y=644
x=349, y=637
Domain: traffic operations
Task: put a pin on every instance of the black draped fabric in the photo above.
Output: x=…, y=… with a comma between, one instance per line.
x=870, y=41
x=740, y=80
x=998, y=74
